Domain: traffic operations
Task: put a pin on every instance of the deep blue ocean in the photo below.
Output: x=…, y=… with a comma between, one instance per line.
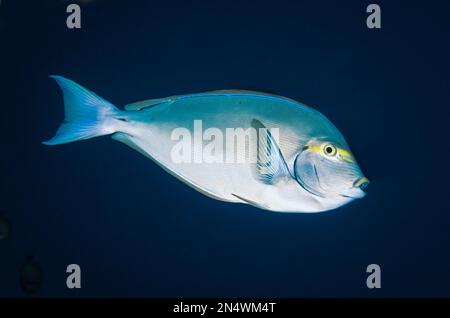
x=136, y=231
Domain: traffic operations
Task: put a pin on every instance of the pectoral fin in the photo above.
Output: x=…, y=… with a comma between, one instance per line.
x=270, y=164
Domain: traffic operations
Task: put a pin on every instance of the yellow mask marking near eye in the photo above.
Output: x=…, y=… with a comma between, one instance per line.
x=315, y=148
x=342, y=153
x=345, y=155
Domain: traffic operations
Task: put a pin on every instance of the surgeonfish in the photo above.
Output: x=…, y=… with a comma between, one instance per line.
x=237, y=146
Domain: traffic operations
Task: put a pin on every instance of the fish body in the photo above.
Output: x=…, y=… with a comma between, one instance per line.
x=235, y=146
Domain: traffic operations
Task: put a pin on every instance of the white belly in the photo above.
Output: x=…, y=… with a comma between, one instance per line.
x=220, y=179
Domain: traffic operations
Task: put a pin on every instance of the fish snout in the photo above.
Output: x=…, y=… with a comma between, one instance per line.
x=361, y=183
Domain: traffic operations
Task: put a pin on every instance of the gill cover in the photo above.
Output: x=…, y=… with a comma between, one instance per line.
x=305, y=172
x=327, y=170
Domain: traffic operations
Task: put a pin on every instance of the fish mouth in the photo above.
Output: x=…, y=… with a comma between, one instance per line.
x=357, y=190
x=361, y=183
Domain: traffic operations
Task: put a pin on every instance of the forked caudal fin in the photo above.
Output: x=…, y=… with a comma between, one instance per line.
x=87, y=115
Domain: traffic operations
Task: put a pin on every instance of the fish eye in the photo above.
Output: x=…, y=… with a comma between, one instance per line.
x=329, y=150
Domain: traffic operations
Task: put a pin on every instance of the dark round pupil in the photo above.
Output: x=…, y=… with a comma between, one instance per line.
x=329, y=150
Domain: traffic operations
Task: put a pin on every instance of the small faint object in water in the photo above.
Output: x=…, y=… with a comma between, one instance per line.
x=31, y=275
x=5, y=228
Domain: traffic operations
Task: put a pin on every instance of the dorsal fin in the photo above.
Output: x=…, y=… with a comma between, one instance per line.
x=152, y=102
x=237, y=91
x=250, y=92
x=155, y=101
x=146, y=103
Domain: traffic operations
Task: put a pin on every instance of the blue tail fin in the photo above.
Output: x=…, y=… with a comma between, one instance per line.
x=86, y=114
